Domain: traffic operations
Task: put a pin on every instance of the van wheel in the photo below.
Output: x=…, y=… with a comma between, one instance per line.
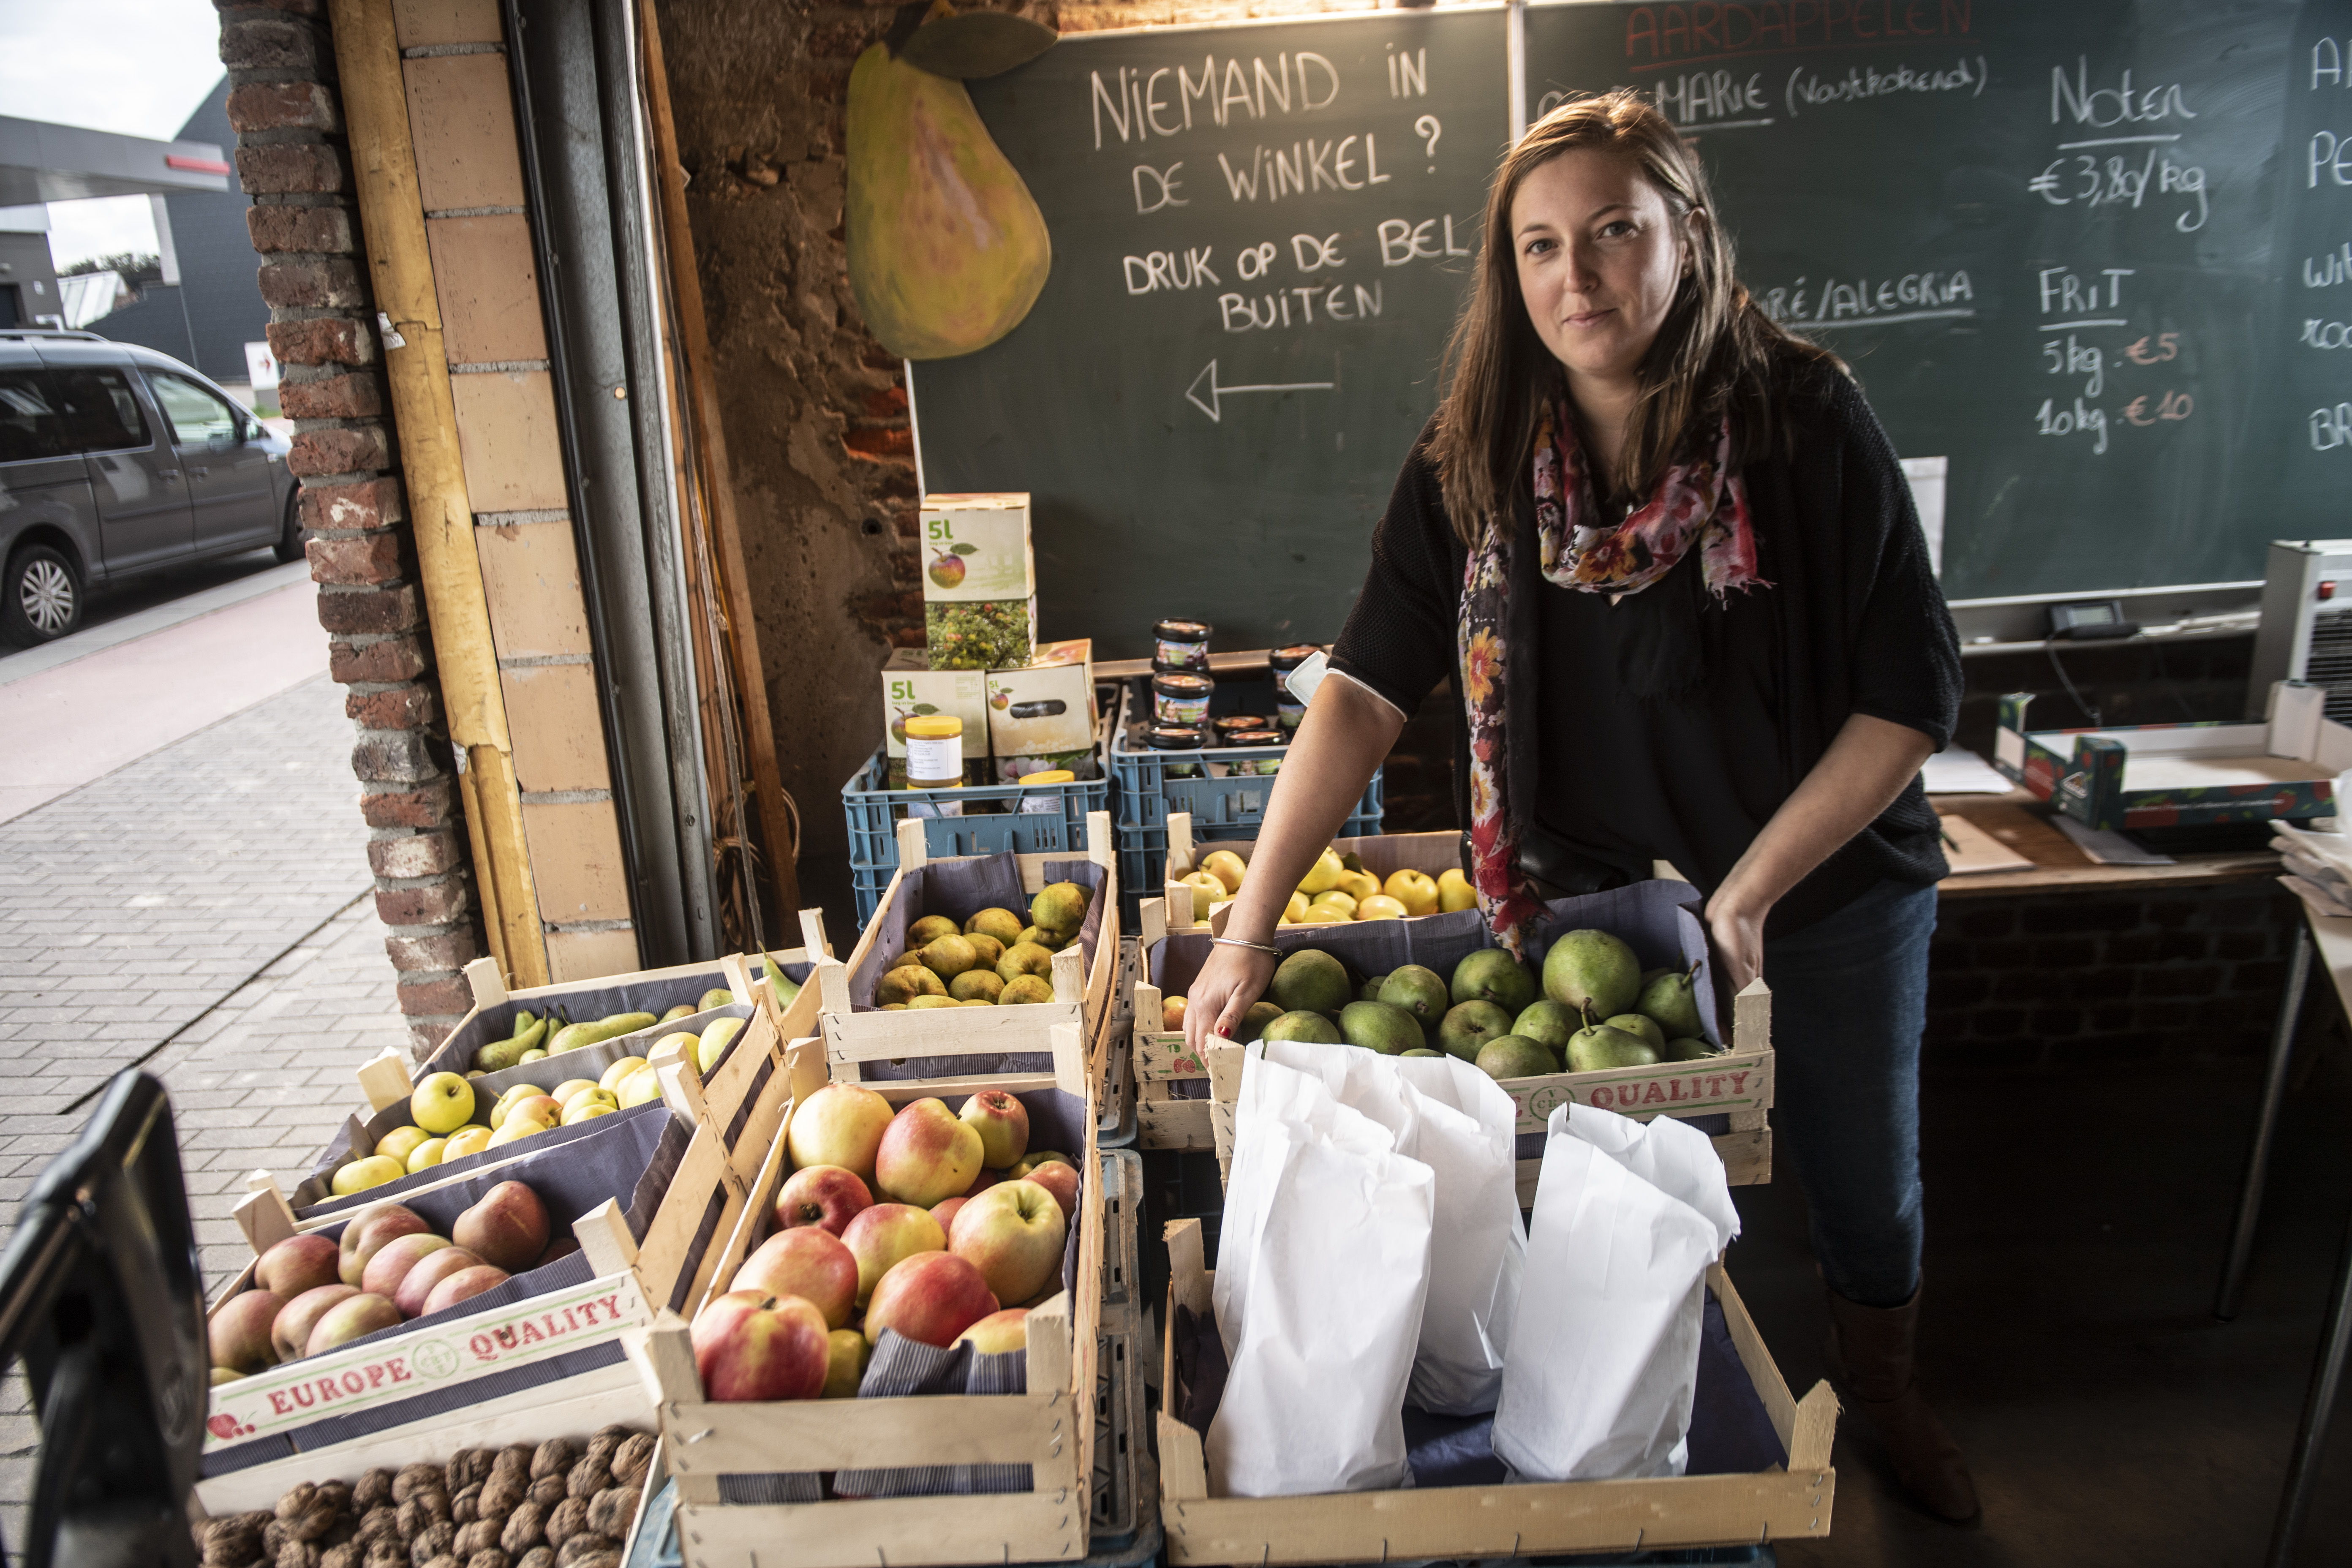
x=41, y=596
x=289, y=543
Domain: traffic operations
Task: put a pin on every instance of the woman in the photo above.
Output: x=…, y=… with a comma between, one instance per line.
x=1670, y=563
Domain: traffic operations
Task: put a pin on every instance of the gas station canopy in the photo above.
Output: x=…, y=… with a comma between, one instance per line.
x=45, y=162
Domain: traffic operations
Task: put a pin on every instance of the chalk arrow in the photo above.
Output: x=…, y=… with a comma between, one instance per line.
x=1206, y=395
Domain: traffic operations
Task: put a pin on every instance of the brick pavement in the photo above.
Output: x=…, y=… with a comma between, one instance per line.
x=206, y=910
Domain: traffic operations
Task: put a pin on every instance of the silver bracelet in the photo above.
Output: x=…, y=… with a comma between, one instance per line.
x=1267, y=948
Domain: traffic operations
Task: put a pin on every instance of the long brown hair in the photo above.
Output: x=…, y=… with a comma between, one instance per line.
x=1715, y=353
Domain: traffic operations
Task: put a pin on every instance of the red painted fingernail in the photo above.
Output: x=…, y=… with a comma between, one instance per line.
x=1228, y=1034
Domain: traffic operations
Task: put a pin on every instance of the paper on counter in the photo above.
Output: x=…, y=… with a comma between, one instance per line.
x=2108, y=848
x=1958, y=771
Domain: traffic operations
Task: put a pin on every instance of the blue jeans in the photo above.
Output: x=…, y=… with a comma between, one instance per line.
x=1848, y=1001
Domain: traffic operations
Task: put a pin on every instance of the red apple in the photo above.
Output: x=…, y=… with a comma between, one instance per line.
x=999, y=1332
x=353, y=1317
x=240, y=1331
x=299, y=1263
x=927, y=1155
x=462, y=1285
x=1003, y=1123
x=981, y=1182
x=296, y=1320
x=425, y=1273
x=807, y=1261
x=368, y=1233
x=945, y=1212
x=1060, y=1180
x=931, y=1297
x=508, y=1227
x=388, y=1267
x=885, y=1234
x=826, y=1196
x=840, y=1125
x=1013, y=1234
x=751, y=1345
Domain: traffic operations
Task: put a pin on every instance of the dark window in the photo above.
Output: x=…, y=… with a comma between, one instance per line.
x=197, y=416
x=31, y=424
x=12, y=309
x=101, y=411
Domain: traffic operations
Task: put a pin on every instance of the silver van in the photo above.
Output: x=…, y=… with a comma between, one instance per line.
x=117, y=461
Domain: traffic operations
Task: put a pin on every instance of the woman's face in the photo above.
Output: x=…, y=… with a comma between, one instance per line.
x=1599, y=258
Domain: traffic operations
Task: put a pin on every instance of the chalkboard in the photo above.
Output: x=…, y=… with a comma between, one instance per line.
x=2096, y=254
x=1261, y=235
x=2051, y=239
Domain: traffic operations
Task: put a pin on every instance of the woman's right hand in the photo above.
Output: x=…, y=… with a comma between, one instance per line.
x=1221, y=993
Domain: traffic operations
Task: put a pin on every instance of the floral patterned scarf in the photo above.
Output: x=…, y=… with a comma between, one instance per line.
x=1697, y=504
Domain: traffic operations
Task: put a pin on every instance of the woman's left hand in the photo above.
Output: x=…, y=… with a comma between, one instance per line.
x=1739, y=937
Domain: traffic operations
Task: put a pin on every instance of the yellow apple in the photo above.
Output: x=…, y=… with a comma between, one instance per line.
x=1344, y=904
x=1416, y=891
x=642, y=1087
x=466, y=1140
x=1322, y=915
x=1226, y=867
x=427, y=1154
x=1295, y=911
x=1171, y=1014
x=400, y=1142
x=595, y=1102
x=620, y=1072
x=713, y=1043
x=515, y=1129
x=361, y=1174
x=1359, y=885
x=442, y=1103
x=1379, y=906
x=1454, y=892
x=562, y=1092
x=1324, y=875
x=1207, y=890
x=538, y=1106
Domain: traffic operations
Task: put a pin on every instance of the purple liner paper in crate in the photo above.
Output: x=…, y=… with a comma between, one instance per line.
x=961, y=889
x=632, y=1158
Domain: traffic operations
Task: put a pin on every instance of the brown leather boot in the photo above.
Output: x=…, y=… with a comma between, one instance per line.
x=1869, y=1358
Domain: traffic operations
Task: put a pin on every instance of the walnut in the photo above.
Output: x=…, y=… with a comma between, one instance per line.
x=554, y=1456
x=435, y=1504
x=487, y=1557
x=409, y=1520
x=273, y=1536
x=498, y=1496
x=387, y=1554
x=589, y=1476
x=460, y=1471
x=565, y=1520
x=524, y=1528
x=381, y=1522
x=547, y=1491
x=514, y=1459
x=612, y=1509
x=338, y=1494
x=443, y=1562
x=632, y=1459
x=348, y=1556
x=587, y=1547
x=464, y=1507
x=602, y=1446
x=536, y=1557
x=476, y=1536
x=432, y=1540
x=229, y=1543
x=296, y=1554
x=414, y=1478
x=371, y=1488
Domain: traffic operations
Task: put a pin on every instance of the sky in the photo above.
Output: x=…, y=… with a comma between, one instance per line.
x=139, y=67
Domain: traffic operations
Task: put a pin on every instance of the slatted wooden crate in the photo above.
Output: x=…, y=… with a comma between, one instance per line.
x=1500, y=1521
x=1382, y=854
x=1081, y=991
x=425, y=1392
x=1050, y=1428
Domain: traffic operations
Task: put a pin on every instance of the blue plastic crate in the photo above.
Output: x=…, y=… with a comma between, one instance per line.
x=1227, y=807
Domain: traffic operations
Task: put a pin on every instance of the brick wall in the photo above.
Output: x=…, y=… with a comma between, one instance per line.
x=292, y=159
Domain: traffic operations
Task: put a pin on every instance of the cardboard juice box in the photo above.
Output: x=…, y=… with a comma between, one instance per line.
x=1041, y=715
x=979, y=581
x=910, y=688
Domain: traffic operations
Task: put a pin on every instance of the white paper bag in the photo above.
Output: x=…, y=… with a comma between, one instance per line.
x=1321, y=1271
x=1458, y=1121
x=1603, y=1358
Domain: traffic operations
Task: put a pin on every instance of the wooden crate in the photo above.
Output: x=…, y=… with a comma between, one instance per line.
x=1737, y=1082
x=1072, y=1019
x=1049, y=1429
x=630, y=1281
x=1382, y=856
x=1505, y=1522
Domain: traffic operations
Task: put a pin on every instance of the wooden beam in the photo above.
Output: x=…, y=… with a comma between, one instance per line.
x=400, y=268
x=777, y=820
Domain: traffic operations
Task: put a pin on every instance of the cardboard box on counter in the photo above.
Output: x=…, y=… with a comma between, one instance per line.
x=912, y=686
x=1041, y=715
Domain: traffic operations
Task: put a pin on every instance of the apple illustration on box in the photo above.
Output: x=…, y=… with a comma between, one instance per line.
x=948, y=569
